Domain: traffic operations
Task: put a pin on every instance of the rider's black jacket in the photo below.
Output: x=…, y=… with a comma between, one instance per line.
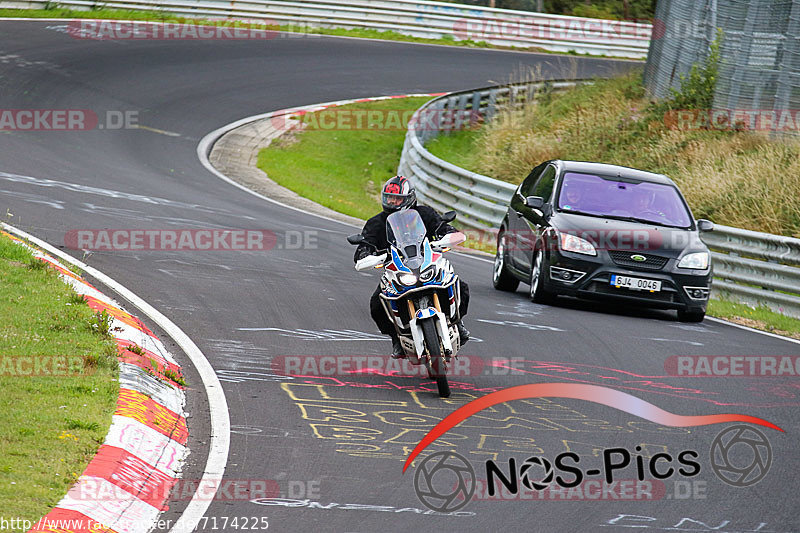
x=374, y=231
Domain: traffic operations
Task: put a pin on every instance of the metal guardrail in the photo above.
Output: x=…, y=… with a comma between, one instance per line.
x=749, y=267
x=756, y=268
x=435, y=20
x=480, y=200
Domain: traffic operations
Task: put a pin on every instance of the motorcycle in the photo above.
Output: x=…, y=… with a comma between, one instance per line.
x=419, y=291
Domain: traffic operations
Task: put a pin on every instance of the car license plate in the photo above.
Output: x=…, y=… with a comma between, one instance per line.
x=636, y=284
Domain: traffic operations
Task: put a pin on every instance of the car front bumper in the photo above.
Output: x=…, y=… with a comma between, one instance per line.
x=681, y=289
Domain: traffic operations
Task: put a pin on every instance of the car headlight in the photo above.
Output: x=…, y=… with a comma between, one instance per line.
x=697, y=260
x=408, y=279
x=427, y=275
x=573, y=243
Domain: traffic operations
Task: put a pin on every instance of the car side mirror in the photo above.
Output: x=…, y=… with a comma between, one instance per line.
x=355, y=239
x=705, y=225
x=534, y=202
x=449, y=216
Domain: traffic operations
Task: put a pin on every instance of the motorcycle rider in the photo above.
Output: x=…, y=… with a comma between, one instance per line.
x=398, y=193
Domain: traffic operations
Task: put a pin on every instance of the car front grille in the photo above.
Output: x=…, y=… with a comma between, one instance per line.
x=651, y=262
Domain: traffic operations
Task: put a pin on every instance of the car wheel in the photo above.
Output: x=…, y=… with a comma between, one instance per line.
x=539, y=294
x=502, y=279
x=691, y=316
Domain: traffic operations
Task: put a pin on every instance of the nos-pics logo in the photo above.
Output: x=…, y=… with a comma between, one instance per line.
x=445, y=482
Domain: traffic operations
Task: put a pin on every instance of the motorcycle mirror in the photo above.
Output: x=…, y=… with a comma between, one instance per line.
x=449, y=216
x=355, y=239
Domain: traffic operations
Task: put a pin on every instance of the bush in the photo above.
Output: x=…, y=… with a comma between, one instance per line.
x=697, y=88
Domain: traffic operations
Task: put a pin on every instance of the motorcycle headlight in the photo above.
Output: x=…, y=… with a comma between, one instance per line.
x=427, y=275
x=573, y=243
x=408, y=279
x=697, y=260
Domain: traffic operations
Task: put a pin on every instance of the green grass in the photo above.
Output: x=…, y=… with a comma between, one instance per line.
x=760, y=317
x=343, y=169
x=455, y=148
x=111, y=14
x=50, y=427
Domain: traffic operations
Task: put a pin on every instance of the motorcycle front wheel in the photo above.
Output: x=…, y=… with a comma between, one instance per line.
x=437, y=368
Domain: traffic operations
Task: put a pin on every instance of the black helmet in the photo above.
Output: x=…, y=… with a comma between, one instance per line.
x=398, y=193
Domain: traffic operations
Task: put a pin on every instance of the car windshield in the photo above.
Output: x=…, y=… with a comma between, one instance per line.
x=406, y=231
x=623, y=198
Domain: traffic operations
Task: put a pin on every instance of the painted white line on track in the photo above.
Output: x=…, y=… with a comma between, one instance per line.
x=218, y=405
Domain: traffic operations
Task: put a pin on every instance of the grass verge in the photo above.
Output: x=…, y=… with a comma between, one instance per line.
x=51, y=425
x=761, y=318
x=342, y=167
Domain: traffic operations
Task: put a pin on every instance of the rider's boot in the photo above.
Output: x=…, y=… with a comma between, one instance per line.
x=398, y=352
x=462, y=332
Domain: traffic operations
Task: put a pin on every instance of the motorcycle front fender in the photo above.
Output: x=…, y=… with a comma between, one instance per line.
x=441, y=328
x=417, y=336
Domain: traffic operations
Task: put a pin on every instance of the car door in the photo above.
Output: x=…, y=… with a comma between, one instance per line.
x=516, y=221
x=535, y=221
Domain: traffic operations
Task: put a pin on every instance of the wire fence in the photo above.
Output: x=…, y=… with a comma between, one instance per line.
x=758, y=83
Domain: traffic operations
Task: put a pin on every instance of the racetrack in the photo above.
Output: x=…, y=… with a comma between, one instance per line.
x=244, y=309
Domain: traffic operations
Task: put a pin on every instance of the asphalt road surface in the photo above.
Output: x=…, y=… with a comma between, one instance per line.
x=334, y=445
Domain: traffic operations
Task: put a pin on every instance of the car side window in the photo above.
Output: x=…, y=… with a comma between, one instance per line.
x=526, y=189
x=544, y=185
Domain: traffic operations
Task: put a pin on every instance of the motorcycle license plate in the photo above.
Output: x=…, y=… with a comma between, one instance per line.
x=635, y=284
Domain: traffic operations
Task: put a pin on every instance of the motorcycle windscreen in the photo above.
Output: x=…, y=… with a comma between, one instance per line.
x=406, y=231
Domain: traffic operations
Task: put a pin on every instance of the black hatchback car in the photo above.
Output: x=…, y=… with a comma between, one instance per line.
x=592, y=230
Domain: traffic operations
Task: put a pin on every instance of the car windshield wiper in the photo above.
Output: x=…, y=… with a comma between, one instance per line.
x=644, y=221
x=573, y=212
x=625, y=218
